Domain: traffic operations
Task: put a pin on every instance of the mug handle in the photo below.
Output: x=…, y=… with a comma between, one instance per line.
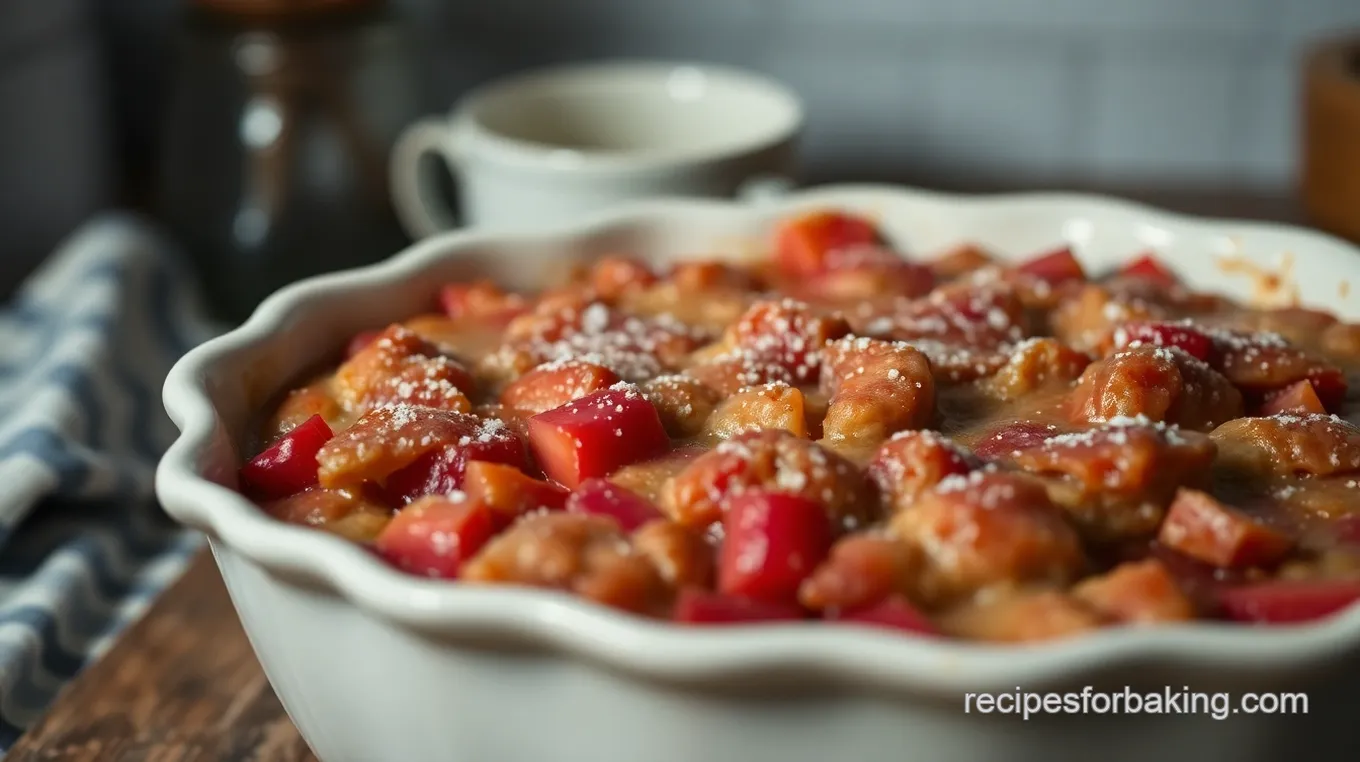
x=414, y=195
x=765, y=189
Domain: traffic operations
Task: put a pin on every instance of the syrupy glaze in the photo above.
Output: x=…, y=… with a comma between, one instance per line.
x=948, y=446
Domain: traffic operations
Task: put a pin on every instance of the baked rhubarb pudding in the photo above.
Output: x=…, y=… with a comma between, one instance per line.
x=952, y=447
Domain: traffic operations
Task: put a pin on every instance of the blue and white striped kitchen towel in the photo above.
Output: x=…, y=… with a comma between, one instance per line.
x=84, y=348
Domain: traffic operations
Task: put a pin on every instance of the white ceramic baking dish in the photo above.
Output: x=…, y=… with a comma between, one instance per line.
x=374, y=665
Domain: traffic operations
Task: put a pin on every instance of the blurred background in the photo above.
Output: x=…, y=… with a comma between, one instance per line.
x=254, y=136
x=969, y=94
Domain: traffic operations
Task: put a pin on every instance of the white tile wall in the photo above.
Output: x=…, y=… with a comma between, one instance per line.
x=1216, y=18
x=1003, y=107
x=1297, y=19
x=1012, y=91
x=895, y=14
x=1165, y=114
x=1267, y=116
x=883, y=113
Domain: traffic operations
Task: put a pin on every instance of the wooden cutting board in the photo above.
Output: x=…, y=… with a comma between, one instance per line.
x=183, y=685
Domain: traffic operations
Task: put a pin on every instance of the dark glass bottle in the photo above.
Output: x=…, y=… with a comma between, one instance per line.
x=280, y=121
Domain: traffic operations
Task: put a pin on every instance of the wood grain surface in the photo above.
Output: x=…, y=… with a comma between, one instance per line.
x=183, y=684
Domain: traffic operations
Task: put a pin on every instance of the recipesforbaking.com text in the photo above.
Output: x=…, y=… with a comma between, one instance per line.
x=1219, y=706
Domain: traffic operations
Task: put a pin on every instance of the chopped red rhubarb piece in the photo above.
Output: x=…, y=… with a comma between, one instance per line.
x=912, y=462
x=1195, y=343
x=782, y=341
x=551, y=386
x=697, y=606
x=482, y=300
x=1288, y=601
x=1204, y=529
x=595, y=435
x=861, y=255
x=868, y=270
x=443, y=469
x=868, y=280
x=361, y=339
x=801, y=244
x=772, y=542
x=603, y=498
x=971, y=311
x=1329, y=384
x=1298, y=398
x=861, y=571
x=400, y=366
x=1347, y=529
x=289, y=465
x=612, y=277
x=1263, y=363
x=894, y=613
x=1148, y=267
x=1137, y=591
x=434, y=536
x=1201, y=582
x=1055, y=267
x=508, y=491
x=1013, y=438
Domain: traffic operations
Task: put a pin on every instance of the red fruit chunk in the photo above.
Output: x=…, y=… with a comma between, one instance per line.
x=975, y=306
x=1204, y=529
x=894, y=613
x=912, y=279
x=802, y=243
x=434, y=536
x=402, y=367
x=289, y=465
x=1013, y=438
x=461, y=299
x=912, y=462
x=1288, y=601
x=1201, y=582
x=437, y=472
x=360, y=340
x=389, y=439
x=859, y=256
x=603, y=498
x=482, y=300
x=1260, y=364
x=613, y=276
x=552, y=386
x=1299, y=397
x=1150, y=268
x=1055, y=267
x=508, y=491
x=1329, y=384
x=595, y=435
x=887, y=264
x=862, y=570
x=1347, y=529
x=1143, y=591
x=1194, y=342
x=773, y=541
x=443, y=470
x=852, y=274
x=697, y=606
x=781, y=341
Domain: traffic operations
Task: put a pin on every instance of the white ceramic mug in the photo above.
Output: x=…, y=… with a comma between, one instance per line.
x=542, y=148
